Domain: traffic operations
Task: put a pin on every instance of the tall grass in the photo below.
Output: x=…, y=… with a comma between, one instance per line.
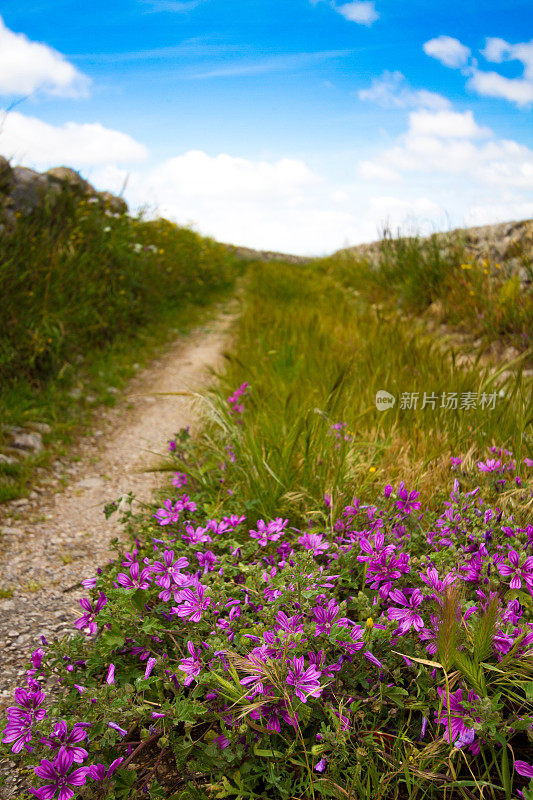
x=314, y=356
x=84, y=294
x=483, y=297
x=74, y=277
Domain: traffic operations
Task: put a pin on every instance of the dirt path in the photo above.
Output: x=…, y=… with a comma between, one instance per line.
x=61, y=538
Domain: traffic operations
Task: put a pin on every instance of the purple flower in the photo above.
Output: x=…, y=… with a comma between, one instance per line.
x=492, y=465
x=60, y=737
x=169, y=513
x=196, y=535
x=88, y=619
x=524, y=769
x=289, y=624
x=98, y=772
x=460, y=731
x=192, y=604
x=314, y=542
x=327, y=617
x=407, y=501
x=136, y=579
x=305, y=681
x=179, y=479
x=111, y=674
x=58, y=777
x=518, y=572
x=193, y=665
x=206, y=560
x=150, y=664
x=321, y=765
x=222, y=742
x=37, y=657
x=117, y=728
x=269, y=532
x=168, y=569
x=20, y=718
x=372, y=658
x=406, y=616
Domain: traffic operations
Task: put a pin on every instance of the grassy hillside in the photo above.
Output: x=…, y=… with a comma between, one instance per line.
x=333, y=599
x=490, y=298
x=84, y=294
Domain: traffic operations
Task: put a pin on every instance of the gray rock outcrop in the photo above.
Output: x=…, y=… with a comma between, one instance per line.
x=507, y=243
x=23, y=190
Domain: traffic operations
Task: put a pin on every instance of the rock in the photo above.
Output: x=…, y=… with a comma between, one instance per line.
x=7, y=459
x=89, y=483
x=32, y=442
x=22, y=503
x=6, y=174
x=116, y=204
x=27, y=191
x=68, y=176
x=40, y=427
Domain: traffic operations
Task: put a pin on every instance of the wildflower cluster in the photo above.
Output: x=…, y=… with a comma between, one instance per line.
x=235, y=400
x=260, y=655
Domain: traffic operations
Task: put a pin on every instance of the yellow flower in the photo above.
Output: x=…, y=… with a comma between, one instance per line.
x=369, y=624
x=466, y=266
x=472, y=292
x=372, y=469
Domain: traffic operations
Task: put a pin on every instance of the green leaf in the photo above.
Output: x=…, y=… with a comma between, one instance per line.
x=138, y=600
x=267, y=753
x=114, y=638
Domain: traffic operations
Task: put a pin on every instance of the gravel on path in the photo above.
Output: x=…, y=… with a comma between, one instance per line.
x=53, y=541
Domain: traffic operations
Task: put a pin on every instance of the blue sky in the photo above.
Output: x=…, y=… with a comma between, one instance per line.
x=302, y=125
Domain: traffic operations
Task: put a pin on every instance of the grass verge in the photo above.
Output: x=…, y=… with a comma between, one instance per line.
x=333, y=599
x=85, y=294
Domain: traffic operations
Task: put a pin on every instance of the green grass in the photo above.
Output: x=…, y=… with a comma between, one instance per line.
x=315, y=355
x=484, y=298
x=84, y=295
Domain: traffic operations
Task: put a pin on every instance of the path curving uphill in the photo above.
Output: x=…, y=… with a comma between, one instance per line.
x=62, y=538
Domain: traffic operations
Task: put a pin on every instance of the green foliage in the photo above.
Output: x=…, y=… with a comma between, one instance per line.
x=84, y=294
x=483, y=298
x=75, y=277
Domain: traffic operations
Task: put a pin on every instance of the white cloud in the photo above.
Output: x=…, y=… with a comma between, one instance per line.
x=362, y=11
x=27, y=67
x=391, y=90
x=38, y=144
x=446, y=125
x=492, y=84
x=486, y=214
x=448, y=51
x=443, y=168
x=444, y=147
x=446, y=169
x=373, y=171
x=452, y=53
x=495, y=50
